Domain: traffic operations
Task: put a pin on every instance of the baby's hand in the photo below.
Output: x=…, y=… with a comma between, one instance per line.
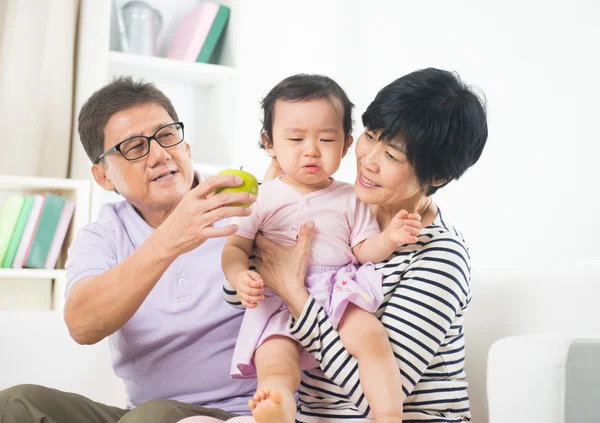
x=249, y=287
x=404, y=228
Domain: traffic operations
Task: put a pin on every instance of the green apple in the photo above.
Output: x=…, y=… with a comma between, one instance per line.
x=250, y=184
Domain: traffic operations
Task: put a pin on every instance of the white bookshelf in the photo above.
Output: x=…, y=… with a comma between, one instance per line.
x=160, y=69
x=32, y=274
x=203, y=94
x=41, y=288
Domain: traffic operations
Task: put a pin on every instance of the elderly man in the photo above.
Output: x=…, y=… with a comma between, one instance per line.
x=147, y=273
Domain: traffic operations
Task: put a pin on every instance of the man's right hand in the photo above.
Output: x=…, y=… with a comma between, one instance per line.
x=190, y=224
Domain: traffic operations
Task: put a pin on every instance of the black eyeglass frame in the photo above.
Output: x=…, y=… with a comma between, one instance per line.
x=148, y=139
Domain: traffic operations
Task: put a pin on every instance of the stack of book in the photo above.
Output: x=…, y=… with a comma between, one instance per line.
x=199, y=32
x=33, y=230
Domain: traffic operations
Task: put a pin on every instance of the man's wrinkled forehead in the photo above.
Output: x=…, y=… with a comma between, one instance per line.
x=142, y=119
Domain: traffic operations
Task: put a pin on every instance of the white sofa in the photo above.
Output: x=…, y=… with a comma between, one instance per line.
x=35, y=347
x=518, y=330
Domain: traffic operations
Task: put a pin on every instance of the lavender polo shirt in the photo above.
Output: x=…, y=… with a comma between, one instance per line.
x=179, y=344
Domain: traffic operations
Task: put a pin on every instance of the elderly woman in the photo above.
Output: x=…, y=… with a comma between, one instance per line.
x=423, y=131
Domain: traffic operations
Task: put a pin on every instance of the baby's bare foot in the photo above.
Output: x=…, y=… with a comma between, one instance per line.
x=267, y=407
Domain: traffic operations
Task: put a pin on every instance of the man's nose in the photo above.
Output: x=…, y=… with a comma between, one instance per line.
x=157, y=154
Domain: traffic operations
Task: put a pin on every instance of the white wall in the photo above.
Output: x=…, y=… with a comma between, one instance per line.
x=278, y=39
x=530, y=200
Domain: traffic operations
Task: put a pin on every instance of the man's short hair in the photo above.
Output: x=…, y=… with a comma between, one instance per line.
x=120, y=94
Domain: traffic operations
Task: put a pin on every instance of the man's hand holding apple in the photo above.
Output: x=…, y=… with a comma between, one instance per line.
x=249, y=184
x=190, y=223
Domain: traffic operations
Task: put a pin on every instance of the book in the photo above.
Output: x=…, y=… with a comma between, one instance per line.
x=44, y=233
x=215, y=33
x=15, y=240
x=192, y=32
x=8, y=219
x=28, y=232
x=59, y=236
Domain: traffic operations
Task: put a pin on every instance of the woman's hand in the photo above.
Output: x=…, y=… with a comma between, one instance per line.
x=190, y=224
x=283, y=269
x=273, y=171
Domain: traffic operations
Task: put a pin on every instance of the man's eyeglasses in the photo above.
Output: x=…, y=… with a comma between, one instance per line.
x=137, y=147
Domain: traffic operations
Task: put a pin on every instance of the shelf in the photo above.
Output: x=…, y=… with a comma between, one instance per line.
x=16, y=182
x=32, y=274
x=154, y=69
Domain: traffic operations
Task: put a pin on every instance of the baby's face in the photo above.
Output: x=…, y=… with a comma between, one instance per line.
x=308, y=140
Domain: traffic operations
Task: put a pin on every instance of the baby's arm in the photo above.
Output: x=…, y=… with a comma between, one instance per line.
x=403, y=229
x=248, y=284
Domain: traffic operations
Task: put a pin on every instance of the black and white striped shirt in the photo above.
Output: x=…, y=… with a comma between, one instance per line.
x=426, y=293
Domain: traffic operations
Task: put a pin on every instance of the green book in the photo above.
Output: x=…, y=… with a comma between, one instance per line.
x=15, y=240
x=44, y=234
x=214, y=34
x=8, y=219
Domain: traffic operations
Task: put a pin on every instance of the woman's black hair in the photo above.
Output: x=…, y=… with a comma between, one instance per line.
x=435, y=119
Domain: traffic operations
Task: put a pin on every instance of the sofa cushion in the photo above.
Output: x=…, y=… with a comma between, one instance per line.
x=35, y=347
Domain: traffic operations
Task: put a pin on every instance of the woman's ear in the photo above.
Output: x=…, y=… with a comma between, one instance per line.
x=347, y=143
x=439, y=182
x=267, y=144
x=101, y=177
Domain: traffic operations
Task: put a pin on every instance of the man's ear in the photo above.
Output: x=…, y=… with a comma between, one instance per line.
x=267, y=144
x=347, y=143
x=101, y=178
x=188, y=150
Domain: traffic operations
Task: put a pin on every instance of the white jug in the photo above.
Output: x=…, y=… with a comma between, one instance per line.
x=142, y=25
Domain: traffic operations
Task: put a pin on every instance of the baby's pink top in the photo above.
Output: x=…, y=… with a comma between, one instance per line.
x=341, y=220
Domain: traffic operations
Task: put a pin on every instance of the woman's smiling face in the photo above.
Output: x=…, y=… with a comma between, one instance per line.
x=384, y=176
